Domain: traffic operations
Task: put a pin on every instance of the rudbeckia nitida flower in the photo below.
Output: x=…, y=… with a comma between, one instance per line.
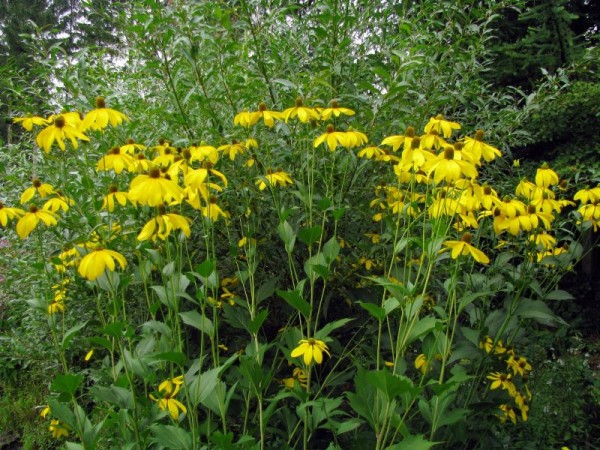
x=480, y=149
x=153, y=189
x=57, y=132
x=169, y=389
x=108, y=202
x=449, y=166
x=29, y=221
x=57, y=429
x=464, y=247
x=213, y=211
x=29, y=122
x=115, y=160
x=7, y=214
x=99, y=118
x=545, y=176
x=162, y=225
x=303, y=113
x=404, y=140
x=98, y=260
x=441, y=125
x=37, y=187
x=274, y=178
x=310, y=349
x=336, y=110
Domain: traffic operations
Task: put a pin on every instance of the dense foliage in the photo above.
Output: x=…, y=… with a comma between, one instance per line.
x=259, y=224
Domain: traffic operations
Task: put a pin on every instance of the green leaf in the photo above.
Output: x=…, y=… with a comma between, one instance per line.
x=287, y=235
x=310, y=235
x=538, y=311
x=413, y=443
x=266, y=290
x=559, y=295
x=255, y=324
x=391, y=385
x=331, y=250
x=376, y=311
x=67, y=383
x=295, y=300
x=178, y=358
x=330, y=327
x=113, y=395
x=198, y=321
x=70, y=334
x=171, y=437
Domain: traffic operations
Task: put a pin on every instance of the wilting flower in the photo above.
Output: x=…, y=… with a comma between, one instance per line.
x=298, y=376
x=162, y=225
x=310, y=349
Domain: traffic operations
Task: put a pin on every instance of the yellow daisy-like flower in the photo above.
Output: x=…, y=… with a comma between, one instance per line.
x=162, y=225
x=37, y=187
x=404, y=140
x=246, y=118
x=213, y=211
x=480, y=149
x=60, y=202
x=299, y=376
x=233, y=149
x=97, y=261
x=154, y=190
x=204, y=153
x=169, y=389
x=99, y=118
x=303, y=113
x=274, y=178
x=464, y=247
x=336, y=110
x=132, y=148
x=311, y=349
x=546, y=177
x=56, y=307
x=29, y=221
x=501, y=380
x=108, y=202
x=57, y=132
x=115, y=160
x=441, y=125
x=57, y=429
x=519, y=365
x=7, y=214
x=421, y=363
x=587, y=195
x=449, y=166
x=508, y=413
x=29, y=122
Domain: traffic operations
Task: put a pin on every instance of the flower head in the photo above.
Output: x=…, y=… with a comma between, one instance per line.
x=98, y=260
x=58, y=131
x=29, y=221
x=311, y=349
x=169, y=389
x=99, y=118
x=464, y=247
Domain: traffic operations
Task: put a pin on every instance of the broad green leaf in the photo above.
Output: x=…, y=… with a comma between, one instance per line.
x=70, y=334
x=171, y=437
x=376, y=311
x=198, y=321
x=295, y=300
x=310, y=235
x=67, y=383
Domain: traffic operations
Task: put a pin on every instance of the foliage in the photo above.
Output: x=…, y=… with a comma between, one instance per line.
x=280, y=244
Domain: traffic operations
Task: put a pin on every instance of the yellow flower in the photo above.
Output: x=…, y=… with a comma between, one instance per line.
x=421, y=363
x=204, y=153
x=464, y=247
x=213, y=211
x=58, y=132
x=42, y=189
x=99, y=118
x=108, y=202
x=30, y=220
x=56, y=307
x=59, y=202
x=247, y=119
x=45, y=411
x=115, y=160
x=97, y=261
x=441, y=125
x=29, y=122
x=311, y=349
x=501, y=380
x=545, y=176
x=449, y=166
x=153, y=189
x=587, y=195
x=162, y=225
x=519, y=365
x=336, y=110
x=274, y=178
x=7, y=214
x=57, y=429
x=400, y=140
x=233, y=149
x=299, y=376
x=480, y=149
x=169, y=389
x=131, y=147
x=508, y=413
x=303, y=113
x=333, y=138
